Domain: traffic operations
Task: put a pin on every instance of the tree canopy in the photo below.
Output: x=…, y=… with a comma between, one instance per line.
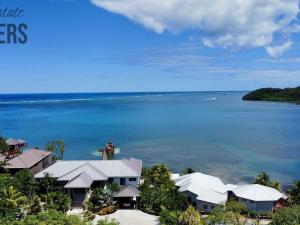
x=158, y=190
x=294, y=193
x=265, y=179
x=187, y=170
x=57, y=148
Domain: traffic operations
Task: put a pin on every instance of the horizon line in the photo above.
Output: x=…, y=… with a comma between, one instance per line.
x=118, y=92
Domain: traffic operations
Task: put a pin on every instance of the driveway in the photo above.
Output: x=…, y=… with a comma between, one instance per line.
x=131, y=217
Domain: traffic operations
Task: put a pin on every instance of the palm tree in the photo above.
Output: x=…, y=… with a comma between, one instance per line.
x=263, y=179
x=276, y=184
x=13, y=197
x=107, y=195
x=34, y=206
x=12, y=202
x=294, y=192
x=187, y=170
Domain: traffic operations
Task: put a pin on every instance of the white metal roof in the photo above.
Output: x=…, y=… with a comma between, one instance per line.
x=204, y=180
x=230, y=187
x=66, y=170
x=207, y=188
x=256, y=192
x=89, y=169
x=175, y=176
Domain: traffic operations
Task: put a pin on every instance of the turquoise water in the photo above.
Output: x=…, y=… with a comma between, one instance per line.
x=214, y=132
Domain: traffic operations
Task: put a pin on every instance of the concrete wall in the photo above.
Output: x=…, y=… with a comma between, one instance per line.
x=258, y=206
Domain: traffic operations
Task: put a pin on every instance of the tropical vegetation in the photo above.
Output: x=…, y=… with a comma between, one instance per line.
x=287, y=216
x=294, y=193
x=50, y=217
x=102, y=199
x=107, y=222
x=187, y=170
x=274, y=94
x=158, y=190
x=57, y=148
x=190, y=217
x=22, y=195
x=265, y=179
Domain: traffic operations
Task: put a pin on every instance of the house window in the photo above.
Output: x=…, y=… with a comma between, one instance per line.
x=252, y=201
x=204, y=206
x=189, y=199
x=132, y=179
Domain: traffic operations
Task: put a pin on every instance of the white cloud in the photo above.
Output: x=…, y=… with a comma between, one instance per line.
x=276, y=51
x=223, y=23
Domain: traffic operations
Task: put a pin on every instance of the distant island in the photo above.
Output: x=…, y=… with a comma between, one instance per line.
x=274, y=94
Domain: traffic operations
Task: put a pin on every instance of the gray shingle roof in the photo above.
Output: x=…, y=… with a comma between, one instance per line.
x=128, y=191
x=27, y=159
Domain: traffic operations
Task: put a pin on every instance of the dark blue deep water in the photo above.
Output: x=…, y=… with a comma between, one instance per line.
x=214, y=132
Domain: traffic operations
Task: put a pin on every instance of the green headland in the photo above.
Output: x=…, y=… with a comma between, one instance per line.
x=275, y=94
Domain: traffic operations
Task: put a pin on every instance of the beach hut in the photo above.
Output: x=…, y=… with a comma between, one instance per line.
x=14, y=147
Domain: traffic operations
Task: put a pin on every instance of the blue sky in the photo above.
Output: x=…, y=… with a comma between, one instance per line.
x=92, y=46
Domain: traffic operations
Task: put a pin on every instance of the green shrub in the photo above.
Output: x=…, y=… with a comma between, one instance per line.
x=103, y=197
x=57, y=200
x=52, y=217
x=287, y=216
x=190, y=217
x=88, y=215
x=167, y=217
x=107, y=222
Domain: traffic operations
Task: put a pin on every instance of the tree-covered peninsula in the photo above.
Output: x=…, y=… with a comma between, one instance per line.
x=274, y=94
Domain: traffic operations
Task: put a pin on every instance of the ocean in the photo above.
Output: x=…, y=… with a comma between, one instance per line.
x=213, y=132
